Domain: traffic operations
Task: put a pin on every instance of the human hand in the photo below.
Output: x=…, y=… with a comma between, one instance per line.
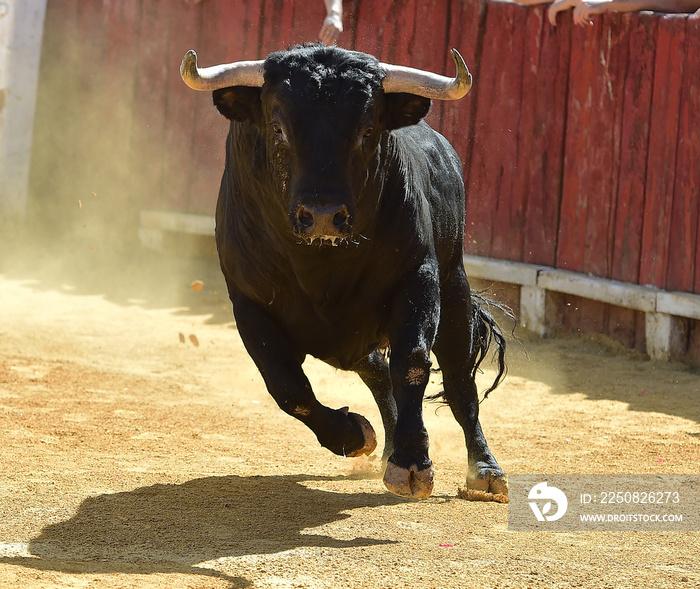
x=559, y=6
x=587, y=8
x=331, y=29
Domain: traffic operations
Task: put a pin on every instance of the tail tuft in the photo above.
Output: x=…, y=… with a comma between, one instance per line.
x=485, y=332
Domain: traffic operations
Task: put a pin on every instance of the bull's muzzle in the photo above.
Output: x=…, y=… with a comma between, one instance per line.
x=322, y=224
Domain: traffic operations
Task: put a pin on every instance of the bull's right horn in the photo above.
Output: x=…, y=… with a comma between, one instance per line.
x=239, y=73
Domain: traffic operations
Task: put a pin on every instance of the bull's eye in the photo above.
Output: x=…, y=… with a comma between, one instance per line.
x=278, y=130
x=365, y=140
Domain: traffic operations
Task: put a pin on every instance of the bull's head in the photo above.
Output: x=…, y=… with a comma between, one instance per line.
x=323, y=112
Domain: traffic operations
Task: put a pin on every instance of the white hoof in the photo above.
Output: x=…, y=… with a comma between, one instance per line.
x=411, y=482
x=368, y=433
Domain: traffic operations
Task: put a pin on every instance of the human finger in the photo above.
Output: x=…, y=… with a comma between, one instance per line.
x=329, y=35
x=582, y=15
x=555, y=8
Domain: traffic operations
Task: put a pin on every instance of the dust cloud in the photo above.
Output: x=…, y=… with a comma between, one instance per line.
x=102, y=153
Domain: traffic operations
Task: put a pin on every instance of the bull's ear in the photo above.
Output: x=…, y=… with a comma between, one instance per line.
x=404, y=110
x=239, y=103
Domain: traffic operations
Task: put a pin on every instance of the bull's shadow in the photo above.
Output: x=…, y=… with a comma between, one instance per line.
x=172, y=528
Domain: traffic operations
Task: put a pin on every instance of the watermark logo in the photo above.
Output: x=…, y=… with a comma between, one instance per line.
x=541, y=492
x=603, y=502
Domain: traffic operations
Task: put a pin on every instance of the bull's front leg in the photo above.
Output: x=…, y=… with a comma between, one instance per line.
x=279, y=363
x=416, y=312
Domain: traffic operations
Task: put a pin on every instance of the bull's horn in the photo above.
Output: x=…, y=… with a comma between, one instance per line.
x=240, y=73
x=427, y=84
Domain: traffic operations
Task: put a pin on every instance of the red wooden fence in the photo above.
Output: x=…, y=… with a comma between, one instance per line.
x=581, y=145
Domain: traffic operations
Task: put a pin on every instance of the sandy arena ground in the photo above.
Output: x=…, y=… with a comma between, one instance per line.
x=140, y=449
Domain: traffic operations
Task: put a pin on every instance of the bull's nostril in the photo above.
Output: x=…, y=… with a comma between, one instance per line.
x=321, y=220
x=305, y=218
x=340, y=218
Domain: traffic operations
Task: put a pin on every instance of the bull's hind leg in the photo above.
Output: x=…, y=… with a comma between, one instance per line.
x=342, y=432
x=456, y=348
x=374, y=372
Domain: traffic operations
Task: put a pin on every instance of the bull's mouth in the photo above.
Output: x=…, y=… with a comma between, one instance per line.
x=324, y=241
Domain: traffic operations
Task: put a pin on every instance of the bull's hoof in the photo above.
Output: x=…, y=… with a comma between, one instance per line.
x=409, y=482
x=487, y=484
x=368, y=434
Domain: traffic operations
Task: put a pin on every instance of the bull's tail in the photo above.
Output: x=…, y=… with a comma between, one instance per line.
x=485, y=333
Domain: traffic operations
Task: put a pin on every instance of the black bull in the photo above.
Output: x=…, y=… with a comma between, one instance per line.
x=339, y=227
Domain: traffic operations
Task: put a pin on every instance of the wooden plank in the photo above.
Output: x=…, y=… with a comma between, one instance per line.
x=502, y=270
x=541, y=135
x=603, y=290
x=148, y=134
x=573, y=210
x=286, y=24
x=91, y=78
x=494, y=218
x=427, y=46
x=351, y=9
x=680, y=304
x=634, y=147
x=219, y=19
x=663, y=141
x=398, y=33
x=640, y=340
x=580, y=315
x=93, y=20
x=602, y=203
x=87, y=196
x=50, y=176
x=208, y=156
x=238, y=29
x=623, y=324
x=592, y=147
x=307, y=20
x=612, y=292
x=414, y=23
x=465, y=23
x=375, y=27
x=229, y=32
x=276, y=25
x=684, y=257
x=185, y=27
x=693, y=353
x=116, y=109
x=600, y=235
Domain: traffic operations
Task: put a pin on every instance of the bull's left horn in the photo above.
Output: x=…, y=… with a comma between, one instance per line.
x=239, y=73
x=427, y=84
